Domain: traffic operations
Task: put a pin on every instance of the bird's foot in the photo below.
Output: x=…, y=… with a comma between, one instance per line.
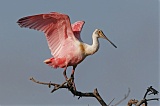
x=71, y=84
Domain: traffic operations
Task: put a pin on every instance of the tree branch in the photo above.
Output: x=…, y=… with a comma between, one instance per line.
x=144, y=101
x=67, y=85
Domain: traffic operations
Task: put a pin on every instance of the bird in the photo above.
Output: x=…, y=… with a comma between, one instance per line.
x=63, y=38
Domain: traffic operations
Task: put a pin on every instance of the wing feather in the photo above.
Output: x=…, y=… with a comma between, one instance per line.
x=56, y=26
x=77, y=28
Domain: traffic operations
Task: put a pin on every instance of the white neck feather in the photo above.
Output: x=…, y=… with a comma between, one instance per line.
x=91, y=49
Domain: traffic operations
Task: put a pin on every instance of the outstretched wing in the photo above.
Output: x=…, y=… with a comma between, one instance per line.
x=56, y=26
x=77, y=27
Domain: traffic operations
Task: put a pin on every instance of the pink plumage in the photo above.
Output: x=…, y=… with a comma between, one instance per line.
x=60, y=34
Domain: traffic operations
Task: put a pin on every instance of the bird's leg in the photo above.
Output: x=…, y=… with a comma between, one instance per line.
x=73, y=70
x=72, y=77
x=64, y=73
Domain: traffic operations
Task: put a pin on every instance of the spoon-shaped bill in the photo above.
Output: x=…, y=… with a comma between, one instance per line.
x=104, y=37
x=111, y=42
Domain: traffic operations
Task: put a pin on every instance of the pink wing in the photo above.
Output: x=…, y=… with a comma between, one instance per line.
x=77, y=27
x=56, y=27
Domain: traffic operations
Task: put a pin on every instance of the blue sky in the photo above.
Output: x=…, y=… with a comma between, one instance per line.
x=133, y=25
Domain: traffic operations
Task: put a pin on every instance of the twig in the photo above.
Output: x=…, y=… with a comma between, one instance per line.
x=152, y=90
x=111, y=101
x=125, y=96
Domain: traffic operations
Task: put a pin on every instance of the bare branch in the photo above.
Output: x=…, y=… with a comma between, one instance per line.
x=111, y=101
x=144, y=101
x=125, y=96
x=67, y=85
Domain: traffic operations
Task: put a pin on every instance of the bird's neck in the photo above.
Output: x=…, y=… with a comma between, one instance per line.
x=91, y=49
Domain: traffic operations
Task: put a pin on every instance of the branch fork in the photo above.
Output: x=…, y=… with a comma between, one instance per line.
x=67, y=84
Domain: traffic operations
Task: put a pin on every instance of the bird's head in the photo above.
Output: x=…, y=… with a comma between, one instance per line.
x=99, y=34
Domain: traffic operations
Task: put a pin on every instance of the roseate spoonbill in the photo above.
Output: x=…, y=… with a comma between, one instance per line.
x=63, y=39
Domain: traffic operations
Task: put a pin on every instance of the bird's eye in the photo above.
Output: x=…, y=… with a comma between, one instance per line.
x=99, y=31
